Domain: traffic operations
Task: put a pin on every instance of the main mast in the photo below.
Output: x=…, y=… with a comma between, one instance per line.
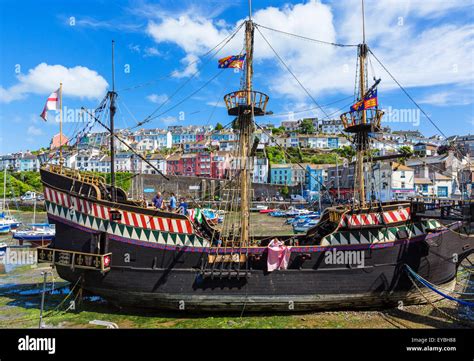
x=112, y=96
x=245, y=104
x=364, y=118
x=362, y=141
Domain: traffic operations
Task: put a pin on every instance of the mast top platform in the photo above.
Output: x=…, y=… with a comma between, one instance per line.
x=353, y=121
x=237, y=102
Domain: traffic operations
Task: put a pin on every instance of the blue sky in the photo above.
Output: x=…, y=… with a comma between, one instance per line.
x=427, y=45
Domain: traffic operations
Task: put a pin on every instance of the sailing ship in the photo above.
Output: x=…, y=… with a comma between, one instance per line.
x=131, y=255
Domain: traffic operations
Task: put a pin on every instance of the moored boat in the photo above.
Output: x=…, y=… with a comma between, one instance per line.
x=37, y=234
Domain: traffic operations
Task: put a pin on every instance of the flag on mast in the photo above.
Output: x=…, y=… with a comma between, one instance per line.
x=233, y=61
x=52, y=103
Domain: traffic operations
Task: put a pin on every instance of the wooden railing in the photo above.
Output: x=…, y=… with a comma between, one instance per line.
x=73, y=259
x=85, y=177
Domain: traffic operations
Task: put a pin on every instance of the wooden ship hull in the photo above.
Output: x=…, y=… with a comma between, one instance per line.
x=166, y=261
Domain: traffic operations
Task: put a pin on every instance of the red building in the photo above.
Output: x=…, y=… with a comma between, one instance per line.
x=220, y=164
x=203, y=164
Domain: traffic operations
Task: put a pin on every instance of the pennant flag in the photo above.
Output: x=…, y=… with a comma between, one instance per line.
x=371, y=99
x=51, y=104
x=233, y=61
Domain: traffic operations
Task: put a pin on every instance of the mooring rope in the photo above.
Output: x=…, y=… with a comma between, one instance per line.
x=436, y=290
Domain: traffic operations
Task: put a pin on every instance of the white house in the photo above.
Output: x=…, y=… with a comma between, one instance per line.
x=260, y=170
x=392, y=181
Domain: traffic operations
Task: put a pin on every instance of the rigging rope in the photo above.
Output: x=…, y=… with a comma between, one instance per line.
x=306, y=38
x=293, y=74
x=167, y=100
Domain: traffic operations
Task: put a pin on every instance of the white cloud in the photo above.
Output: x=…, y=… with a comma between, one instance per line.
x=192, y=33
x=169, y=120
x=78, y=81
x=449, y=98
x=191, y=66
x=157, y=98
x=34, y=131
x=416, y=56
x=151, y=51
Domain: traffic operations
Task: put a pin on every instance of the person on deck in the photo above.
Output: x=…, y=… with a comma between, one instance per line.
x=183, y=206
x=158, y=201
x=172, y=203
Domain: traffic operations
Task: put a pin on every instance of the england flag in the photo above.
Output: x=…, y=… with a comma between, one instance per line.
x=51, y=104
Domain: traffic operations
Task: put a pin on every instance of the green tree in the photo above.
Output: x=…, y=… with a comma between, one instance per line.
x=406, y=150
x=219, y=126
x=285, y=192
x=346, y=152
x=306, y=126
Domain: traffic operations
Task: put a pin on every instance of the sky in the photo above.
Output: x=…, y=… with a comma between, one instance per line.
x=163, y=65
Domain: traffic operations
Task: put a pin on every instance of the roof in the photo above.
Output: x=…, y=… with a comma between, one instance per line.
x=320, y=166
x=423, y=181
x=427, y=160
x=280, y=166
x=398, y=166
x=174, y=157
x=439, y=176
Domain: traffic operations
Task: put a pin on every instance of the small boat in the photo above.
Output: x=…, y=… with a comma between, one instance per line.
x=38, y=234
x=9, y=221
x=302, y=218
x=304, y=226
x=265, y=211
x=259, y=208
x=293, y=212
x=213, y=216
x=4, y=228
x=3, y=249
x=6, y=219
x=278, y=214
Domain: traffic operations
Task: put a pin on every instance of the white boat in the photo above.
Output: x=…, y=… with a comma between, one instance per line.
x=6, y=219
x=39, y=234
x=4, y=228
x=3, y=248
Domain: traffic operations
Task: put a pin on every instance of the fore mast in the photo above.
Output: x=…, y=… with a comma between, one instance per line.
x=245, y=104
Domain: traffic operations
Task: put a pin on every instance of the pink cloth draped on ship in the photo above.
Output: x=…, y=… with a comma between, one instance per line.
x=278, y=255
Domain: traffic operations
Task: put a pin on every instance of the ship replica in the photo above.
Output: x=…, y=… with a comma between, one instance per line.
x=132, y=255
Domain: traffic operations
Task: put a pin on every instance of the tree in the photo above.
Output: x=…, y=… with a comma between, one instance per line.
x=277, y=131
x=346, y=152
x=306, y=126
x=285, y=192
x=406, y=150
x=219, y=126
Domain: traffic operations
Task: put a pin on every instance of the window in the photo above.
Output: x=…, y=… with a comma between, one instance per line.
x=402, y=174
x=403, y=184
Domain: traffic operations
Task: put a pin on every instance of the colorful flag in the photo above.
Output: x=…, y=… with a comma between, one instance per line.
x=233, y=61
x=371, y=99
x=51, y=104
x=357, y=106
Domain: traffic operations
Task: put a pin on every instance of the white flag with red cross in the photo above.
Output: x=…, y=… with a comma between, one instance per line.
x=51, y=104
